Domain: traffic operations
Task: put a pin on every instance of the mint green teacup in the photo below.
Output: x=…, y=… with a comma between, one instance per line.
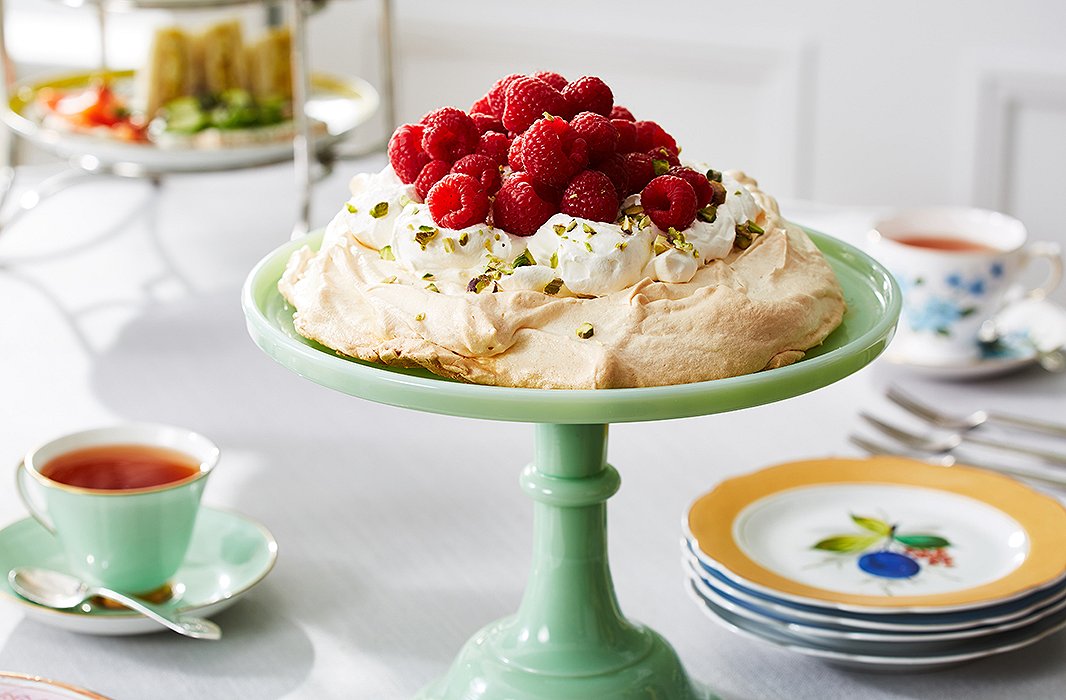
x=132, y=539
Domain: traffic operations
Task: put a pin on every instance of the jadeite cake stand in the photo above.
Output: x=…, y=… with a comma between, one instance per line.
x=569, y=639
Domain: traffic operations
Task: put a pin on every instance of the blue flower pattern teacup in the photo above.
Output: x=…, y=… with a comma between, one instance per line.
x=956, y=267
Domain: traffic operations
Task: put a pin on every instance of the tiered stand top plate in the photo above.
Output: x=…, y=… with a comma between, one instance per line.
x=872, y=297
x=341, y=103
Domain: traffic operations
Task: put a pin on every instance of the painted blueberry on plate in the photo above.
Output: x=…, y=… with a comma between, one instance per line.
x=897, y=555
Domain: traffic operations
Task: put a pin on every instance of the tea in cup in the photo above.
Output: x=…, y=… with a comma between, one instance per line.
x=956, y=267
x=121, y=501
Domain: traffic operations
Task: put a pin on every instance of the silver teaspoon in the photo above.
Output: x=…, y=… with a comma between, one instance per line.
x=53, y=589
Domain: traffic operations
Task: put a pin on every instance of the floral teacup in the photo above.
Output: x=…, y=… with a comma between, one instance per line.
x=955, y=267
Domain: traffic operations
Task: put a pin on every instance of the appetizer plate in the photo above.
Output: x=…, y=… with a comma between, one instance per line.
x=16, y=686
x=873, y=307
x=228, y=555
x=890, y=622
x=829, y=631
x=855, y=655
x=882, y=535
x=342, y=104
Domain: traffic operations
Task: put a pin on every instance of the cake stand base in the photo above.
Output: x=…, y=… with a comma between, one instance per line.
x=481, y=672
x=569, y=640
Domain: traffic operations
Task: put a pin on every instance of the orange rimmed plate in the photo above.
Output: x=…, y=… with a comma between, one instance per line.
x=881, y=535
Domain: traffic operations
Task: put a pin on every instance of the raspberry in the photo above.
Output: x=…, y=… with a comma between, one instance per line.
x=615, y=170
x=520, y=207
x=651, y=135
x=670, y=202
x=450, y=134
x=590, y=94
x=495, y=146
x=639, y=171
x=457, y=201
x=700, y=184
x=486, y=122
x=618, y=112
x=554, y=79
x=482, y=169
x=627, y=135
x=498, y=94
x=482, y=106
x=514, y=154
x=430, y=175
x=664, y=154
x=590, y=195
x=405, y=152
x=552, y=152
x=527, y=100
x=599, y=134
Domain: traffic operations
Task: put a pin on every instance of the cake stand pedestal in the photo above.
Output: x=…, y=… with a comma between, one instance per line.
x=569, y=639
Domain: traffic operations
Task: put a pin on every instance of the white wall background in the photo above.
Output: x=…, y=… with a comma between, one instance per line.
x=903, y=103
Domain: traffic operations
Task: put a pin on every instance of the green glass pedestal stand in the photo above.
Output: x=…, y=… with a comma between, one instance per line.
x=569, y=639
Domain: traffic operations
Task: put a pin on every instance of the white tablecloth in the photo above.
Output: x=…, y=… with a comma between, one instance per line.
x=400, y=533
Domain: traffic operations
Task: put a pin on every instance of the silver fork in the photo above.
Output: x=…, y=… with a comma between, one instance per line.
x=971, y=421
x=948, y=460
x=947, y=443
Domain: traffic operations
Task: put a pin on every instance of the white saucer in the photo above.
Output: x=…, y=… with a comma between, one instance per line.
x=1026, y=328
x=17, y=686
x=228, y=555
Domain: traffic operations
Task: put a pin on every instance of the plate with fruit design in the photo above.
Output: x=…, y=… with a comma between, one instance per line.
x=883, y=534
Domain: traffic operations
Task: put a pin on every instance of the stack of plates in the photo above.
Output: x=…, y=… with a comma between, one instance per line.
x=881, y=563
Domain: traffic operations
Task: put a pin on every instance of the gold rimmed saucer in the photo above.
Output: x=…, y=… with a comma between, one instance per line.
x=884, y=534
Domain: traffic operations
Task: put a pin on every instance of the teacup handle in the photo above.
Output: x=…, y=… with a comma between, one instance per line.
x=1051, y=252
x=25, y=486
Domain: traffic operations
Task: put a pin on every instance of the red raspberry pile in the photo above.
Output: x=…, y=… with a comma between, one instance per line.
x=571, y=150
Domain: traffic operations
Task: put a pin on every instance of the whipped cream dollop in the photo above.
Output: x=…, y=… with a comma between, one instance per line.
x=566, y=256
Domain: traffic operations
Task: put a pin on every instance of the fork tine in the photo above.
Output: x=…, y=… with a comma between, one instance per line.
x=907, y=438
x=927, y=413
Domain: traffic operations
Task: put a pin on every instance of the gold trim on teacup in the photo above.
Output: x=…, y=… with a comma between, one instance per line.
x=710, y=522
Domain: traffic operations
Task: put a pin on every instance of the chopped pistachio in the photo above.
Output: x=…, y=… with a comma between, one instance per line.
x=554, y=260
x=585, y=331
x=588, y=229
x=737, y=193
x=479, y=283
x=389, y=280
x=708, y=214
x=621, y=245
x=714, y=175
x=425, y=234
x=626, y=225
x=449, y=245
x=559, y=229
x=420, y=317
x=588, y=246
x=487, y=245
x=496, y=236
x=661, y=166
x=427, y=276
x=379, y=210
x=464, y=238
x=526, y=258
x=386, y=253
x=660, y=245
x=754, y=227
x=351, y=209
x=572, y=225
x=633, y=210
x=743, y=240
x=645, y=221
x=432, y=287
x=553, y=287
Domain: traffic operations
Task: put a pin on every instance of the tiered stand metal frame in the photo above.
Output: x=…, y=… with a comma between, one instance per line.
x=569, y=639
x=304, y=151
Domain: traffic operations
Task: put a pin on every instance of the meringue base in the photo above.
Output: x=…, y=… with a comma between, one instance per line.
x=756, y=309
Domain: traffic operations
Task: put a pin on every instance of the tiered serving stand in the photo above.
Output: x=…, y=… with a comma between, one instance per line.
x=90, y=156
x=569, y=639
